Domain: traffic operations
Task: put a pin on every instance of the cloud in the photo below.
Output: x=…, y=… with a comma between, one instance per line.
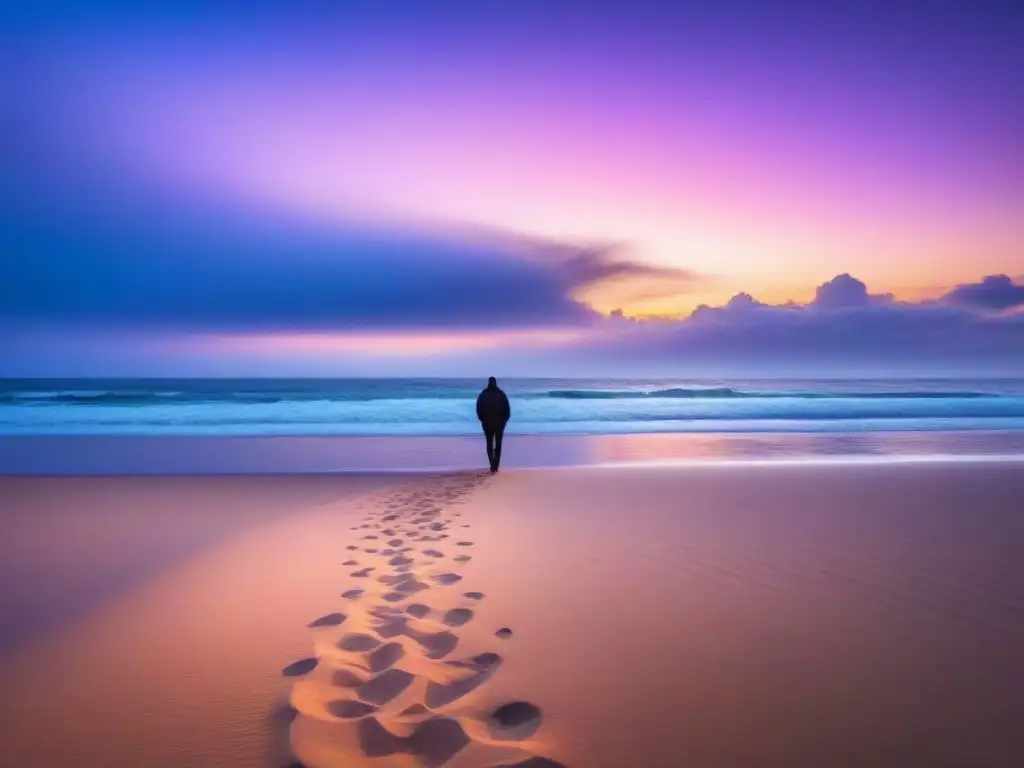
x=589, y=267
x=844, y=325
x=149, y=266
x=845, y=292
x=165, y=267
x=995, y=292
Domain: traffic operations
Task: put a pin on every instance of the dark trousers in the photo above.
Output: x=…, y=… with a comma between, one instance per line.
x=493, y=434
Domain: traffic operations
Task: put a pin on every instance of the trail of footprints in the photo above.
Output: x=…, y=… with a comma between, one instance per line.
x=387, y=666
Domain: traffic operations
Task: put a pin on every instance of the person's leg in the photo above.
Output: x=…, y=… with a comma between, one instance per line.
x=489, y=437
x=499, y=433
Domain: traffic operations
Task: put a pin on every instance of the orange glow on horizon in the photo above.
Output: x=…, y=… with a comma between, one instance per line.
x=395, y=343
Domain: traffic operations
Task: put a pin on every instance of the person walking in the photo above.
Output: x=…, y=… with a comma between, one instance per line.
x=494, y=411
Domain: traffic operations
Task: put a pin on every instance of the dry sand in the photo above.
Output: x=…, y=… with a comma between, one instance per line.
x=692, y=616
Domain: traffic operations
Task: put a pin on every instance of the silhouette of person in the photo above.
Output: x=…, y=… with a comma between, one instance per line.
x=493, y=410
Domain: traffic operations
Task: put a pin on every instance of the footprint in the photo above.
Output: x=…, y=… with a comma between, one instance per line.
x=435, y=742
x=480, y=663
x=447, y=579
x=386, y=656
x=385, y=612
x=351, y=562
x=462, y=558
x=504, y=633
x=474, y=595
x=515, y=721
x=418, y=610
x=394, y=597
x=399, y=560
x=352, y=594
x=395, y=543
x=330, y=620
x=387, y=552
x=533, y=762
x=348, y=709
x=370, y=551
x=364, y=573
x=414, y=710
x=358, y=642
x=443, y=694
x=385, y=686
x=404, y=582
x=433, y=553
x=465, y=544
x=352, y=547
x=371, y=536
x=346, y=678
x=457, y=617
x=391, y=626
x=486, y=660
x=301, y=667
x=437, y=645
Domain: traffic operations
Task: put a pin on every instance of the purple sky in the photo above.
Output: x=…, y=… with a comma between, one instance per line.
x=400, y=188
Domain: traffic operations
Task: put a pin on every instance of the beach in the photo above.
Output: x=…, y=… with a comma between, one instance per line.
x=700, y=614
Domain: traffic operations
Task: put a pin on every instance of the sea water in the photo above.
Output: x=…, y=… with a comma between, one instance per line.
x=437, y=407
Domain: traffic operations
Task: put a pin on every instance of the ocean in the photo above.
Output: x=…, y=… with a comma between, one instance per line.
x=445, y=407
x=216, y=426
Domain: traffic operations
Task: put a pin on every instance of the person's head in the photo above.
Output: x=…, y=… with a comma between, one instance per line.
x=492, y=383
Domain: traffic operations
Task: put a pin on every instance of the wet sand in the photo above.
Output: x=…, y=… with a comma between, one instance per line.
x=127, y=455
x=709, y=616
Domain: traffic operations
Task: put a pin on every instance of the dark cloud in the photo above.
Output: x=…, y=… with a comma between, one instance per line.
x=581, y=266
x=248, y=283
x=152, y=266
x=591, y=266
x=995, y=292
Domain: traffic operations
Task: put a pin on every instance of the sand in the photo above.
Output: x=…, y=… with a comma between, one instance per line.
x=719, y=615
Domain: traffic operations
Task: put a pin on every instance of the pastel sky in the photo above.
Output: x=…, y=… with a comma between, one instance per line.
x=407, y=187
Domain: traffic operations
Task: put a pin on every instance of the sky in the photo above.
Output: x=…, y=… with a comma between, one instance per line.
x=549, y=188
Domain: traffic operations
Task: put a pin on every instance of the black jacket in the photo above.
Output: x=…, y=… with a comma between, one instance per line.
x=492, y=407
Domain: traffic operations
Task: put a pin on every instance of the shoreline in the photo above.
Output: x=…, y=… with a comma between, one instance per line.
x=228, y=456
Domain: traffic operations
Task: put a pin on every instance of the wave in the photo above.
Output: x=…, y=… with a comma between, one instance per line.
x=94, y=398
x=144, y=398
x=729, y=393
x=611, y=394
x=89, y=398
x=369, y=394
